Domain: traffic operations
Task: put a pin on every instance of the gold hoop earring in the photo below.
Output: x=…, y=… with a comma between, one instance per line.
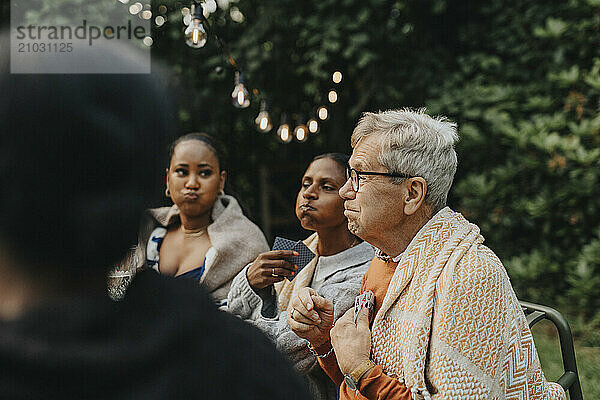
x=167, y=192
x=221, y=193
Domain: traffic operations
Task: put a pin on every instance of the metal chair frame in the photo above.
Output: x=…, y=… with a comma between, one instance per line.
x=570, y=379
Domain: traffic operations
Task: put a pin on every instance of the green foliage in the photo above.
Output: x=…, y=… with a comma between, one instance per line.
x=527, y=99
x=588, y=359
x=585, y=278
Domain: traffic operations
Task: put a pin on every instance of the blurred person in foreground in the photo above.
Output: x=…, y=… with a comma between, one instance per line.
x=448, y=324
x=77, y=165
x=261, y=293
x=204, y=236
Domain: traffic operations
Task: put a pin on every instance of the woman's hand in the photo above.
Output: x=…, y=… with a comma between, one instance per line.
x=310, y=316
x=270, y=267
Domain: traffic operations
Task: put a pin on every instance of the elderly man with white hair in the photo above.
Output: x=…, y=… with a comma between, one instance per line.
x=447, y=322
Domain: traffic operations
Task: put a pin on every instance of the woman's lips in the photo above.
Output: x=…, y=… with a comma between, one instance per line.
x=191, y=196
x=306, y=207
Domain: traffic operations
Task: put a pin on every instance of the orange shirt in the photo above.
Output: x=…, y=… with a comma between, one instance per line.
x=375, y=385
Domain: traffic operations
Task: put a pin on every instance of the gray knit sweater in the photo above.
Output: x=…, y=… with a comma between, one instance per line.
x=340, y=283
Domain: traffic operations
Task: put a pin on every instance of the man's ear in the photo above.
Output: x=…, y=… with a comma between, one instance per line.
x=223, y=179
x=415, y=195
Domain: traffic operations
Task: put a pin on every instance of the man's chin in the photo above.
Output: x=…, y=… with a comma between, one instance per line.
x=354, y=228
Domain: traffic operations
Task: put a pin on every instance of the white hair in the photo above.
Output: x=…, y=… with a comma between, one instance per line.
x=416, y=144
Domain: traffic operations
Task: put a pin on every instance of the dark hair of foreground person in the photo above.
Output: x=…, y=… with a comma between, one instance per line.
x=78, y=159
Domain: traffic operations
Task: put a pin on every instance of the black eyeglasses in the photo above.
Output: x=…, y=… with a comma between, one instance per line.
x=354, y=175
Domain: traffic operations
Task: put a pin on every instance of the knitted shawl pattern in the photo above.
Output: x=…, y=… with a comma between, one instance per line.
x=450, y=325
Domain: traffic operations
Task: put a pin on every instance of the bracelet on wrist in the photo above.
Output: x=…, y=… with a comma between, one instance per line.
x=314, y=352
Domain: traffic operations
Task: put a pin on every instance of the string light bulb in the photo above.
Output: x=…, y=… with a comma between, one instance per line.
x=240, y=95
x=263, y=120
x=195, y=34
x=336, y=77
x=313, y=125
x=332, y=96
x=322, y=113
x=301, y=132
x=283, y=132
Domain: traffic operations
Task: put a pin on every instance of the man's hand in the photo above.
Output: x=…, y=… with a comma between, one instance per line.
x=310, y=316
x=351, y=343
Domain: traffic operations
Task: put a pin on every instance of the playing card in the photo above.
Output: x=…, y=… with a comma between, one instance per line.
x=304, y=257
x=365, y=300
x=283, y=244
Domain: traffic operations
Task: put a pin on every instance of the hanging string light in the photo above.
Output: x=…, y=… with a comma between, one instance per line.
x=301, y=131
x=135, y=8
x=300, y=134
x=322, y=113
x=283, y=132
x=313, y=125
x=332, y=96
x=336, y=77
x=195, y=34
x=240, y=95
x=263, y=119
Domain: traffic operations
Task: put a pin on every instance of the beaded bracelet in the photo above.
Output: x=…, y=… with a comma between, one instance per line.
x=314, y=353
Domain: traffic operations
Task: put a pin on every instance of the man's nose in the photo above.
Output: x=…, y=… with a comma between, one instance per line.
x=346, y=192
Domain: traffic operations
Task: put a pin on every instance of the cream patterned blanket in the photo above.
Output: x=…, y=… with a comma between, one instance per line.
x=450, y=325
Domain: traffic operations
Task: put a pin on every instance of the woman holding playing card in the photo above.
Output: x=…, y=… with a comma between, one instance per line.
x=204, y=236
x=262, y=291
